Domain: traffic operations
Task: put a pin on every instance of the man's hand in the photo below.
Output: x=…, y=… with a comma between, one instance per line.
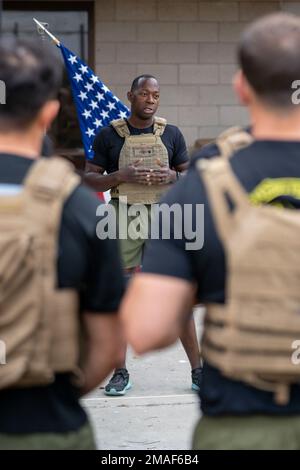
x=163, y=175
x=132, y=173
x=153, y=176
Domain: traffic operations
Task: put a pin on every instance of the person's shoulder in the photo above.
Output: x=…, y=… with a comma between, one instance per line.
x=173, y=134
x=80, y=208
x=172, y=129
x=209, y=151
x=106, y=133
x=105, y=138
x=83, y=196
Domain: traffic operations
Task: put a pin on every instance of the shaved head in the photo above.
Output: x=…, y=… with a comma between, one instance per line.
x=138, y=81
x=269, y=57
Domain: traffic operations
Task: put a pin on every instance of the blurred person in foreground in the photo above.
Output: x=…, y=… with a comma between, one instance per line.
x=58, y=281
x=247, y=271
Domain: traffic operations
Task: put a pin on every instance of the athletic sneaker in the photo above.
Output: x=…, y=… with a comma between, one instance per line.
x=118, y=384
x=196, y=378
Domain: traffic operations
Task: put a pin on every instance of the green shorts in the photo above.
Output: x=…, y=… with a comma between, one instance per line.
x=76, y=440
x=255, y=432
x=131, y=248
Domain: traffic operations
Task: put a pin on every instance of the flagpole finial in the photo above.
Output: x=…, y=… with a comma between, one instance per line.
x=42, y=30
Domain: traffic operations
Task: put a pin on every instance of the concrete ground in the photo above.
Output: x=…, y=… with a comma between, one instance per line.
x=159, y=412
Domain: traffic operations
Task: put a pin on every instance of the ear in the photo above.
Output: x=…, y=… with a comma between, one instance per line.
x=130, y=96
x=48, y=113
x=242, y=88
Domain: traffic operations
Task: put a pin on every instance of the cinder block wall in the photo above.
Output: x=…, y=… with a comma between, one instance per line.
x=190, y=47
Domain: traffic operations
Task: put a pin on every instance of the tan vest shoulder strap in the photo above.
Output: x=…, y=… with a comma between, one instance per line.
x=232, y=140
x=46, y=187
x=219, y=181
x=51, y=178
x=159, y=126
x=120, y=126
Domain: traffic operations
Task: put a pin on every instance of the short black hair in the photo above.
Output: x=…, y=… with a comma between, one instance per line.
x=32, y=75
x=269, y=57
x=136, y=82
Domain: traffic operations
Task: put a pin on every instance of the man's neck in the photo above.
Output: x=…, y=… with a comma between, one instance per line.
x=268, y=125
x=138, y=123
x=20, y=144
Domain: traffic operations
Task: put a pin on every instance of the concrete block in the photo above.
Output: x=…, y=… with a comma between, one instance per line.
x=227, y=73
x=134, y=53
x=173, y=10
x=170, y=113
x=166, y=74
x=217, y=53
x=135, y=10
x=105, y=53
x=198, y=116
x=230, y=32
x=157, y=32
x=105, y=11
x=190, y=134
x=117, y=74
x=198, y=74
x=178, y=53
x=217, y=95
x=234, y=116
x=252, y=10
x=115, y=32
x=179, y=95
x=218, y=11
x=198, y=32
x=211, y=132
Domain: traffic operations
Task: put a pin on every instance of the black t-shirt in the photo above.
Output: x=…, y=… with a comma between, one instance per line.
x=108, y=145
x=257, y=166
x=85, y=263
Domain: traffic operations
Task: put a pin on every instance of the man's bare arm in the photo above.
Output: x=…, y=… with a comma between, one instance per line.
x=104, y=340
x=95, y=179
x=182, y=167
x=154, y=310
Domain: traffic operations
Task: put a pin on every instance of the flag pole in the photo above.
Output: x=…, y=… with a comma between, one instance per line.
x=42, y=27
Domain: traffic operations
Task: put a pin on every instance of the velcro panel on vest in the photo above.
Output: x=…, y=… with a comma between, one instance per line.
x=151, y=152
x=33, y=319
x=250, y=338
x=145, y=147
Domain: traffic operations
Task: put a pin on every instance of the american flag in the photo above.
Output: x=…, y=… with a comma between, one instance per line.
x=96, y=105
